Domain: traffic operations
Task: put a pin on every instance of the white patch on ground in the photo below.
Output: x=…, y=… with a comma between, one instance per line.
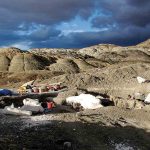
x=32, y=121
x=121, y=146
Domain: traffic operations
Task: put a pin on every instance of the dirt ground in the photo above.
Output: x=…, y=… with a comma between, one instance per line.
x=105, y=128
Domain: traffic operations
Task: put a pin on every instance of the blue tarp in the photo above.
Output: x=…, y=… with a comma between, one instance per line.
x=5, y=92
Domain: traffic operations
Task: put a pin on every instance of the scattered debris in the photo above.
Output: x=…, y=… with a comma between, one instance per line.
x=30, y=87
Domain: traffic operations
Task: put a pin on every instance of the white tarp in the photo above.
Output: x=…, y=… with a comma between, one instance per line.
x=87, y=101
x=147, y=100
x=32, y=105
x=31, y=102
x=16, y=111
x=141, y=80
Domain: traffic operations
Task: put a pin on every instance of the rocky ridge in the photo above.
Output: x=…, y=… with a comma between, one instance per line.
x=103, y=68
x=107, y=71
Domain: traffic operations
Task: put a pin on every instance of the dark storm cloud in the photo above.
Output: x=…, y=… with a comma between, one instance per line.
x=125, y=12
x=128, y=36
x=8, y=35
x=43, y=34
x=138, y=2
x=127, y=21
x=47, y=12
x=103, y=21
x=34, y=21
x=43, y=12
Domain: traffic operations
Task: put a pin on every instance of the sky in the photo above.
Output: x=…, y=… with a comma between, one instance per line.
x=27, y=24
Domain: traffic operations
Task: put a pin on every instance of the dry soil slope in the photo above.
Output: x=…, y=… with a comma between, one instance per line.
x=26, y=62
x=67, y=65
x=6, y=54
x=114, y=54
x=117, y=78
x=15, y=60
x=96, y=50
x=4, y=63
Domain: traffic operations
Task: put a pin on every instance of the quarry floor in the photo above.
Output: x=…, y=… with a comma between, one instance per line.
x=101, y=129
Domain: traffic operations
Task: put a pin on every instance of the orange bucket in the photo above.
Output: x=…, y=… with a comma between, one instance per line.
x=49, y=105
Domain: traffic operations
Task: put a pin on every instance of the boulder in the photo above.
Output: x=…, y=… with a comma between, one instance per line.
x=128, y=104
x=139, y=96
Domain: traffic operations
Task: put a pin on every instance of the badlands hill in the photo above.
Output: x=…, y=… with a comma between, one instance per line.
x=104, y=68
x=101, y=70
